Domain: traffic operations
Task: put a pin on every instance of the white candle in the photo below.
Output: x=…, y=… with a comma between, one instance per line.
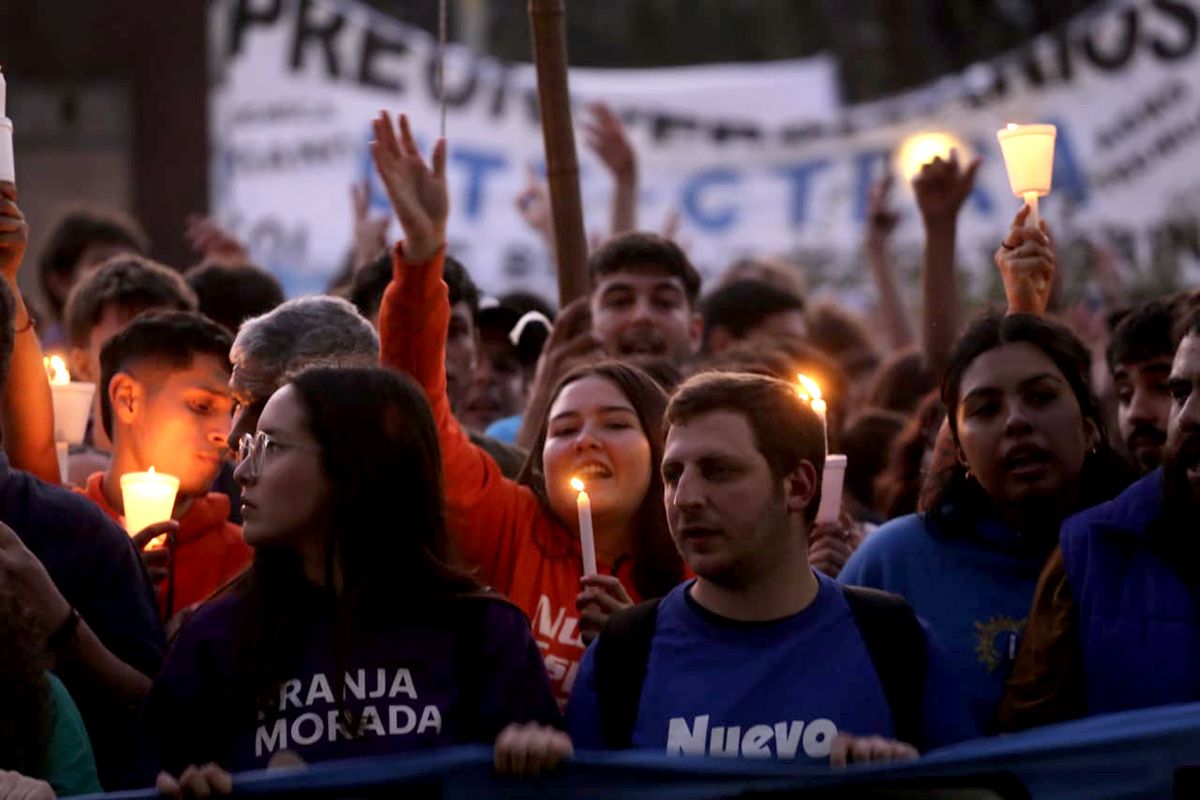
x=8, y=166
x=587, y=537
x=833, y=480
x=1031, y=200
x=149, y=498
x=1029, y=159
x=72, y=401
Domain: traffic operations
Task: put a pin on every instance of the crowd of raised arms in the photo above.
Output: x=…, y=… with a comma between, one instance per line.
x=376, y=545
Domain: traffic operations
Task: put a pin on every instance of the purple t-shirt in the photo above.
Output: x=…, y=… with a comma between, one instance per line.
x=456, y=672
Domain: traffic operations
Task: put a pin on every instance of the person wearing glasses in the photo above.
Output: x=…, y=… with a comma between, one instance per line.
x=354, y=633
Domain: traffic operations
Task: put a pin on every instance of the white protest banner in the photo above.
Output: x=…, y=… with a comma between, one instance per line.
x=755, y=158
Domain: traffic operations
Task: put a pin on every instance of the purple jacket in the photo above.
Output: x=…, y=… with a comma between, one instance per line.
x=455, y=672
x=1138, y=618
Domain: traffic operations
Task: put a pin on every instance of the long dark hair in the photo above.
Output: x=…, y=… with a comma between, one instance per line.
x=1104, y=474
x=898, y=489
x=657, y=567
x=24, y=691
x=379, y=451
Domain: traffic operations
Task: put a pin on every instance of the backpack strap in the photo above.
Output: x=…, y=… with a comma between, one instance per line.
x=622, y=653
x=896, y=643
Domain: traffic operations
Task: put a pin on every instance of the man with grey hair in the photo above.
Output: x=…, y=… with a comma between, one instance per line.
x=301, y=333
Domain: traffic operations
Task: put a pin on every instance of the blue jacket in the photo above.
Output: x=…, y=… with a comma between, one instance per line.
x=1138, y=618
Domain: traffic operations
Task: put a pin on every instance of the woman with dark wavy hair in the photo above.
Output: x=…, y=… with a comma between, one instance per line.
x=355, y=632
x=1031, y=449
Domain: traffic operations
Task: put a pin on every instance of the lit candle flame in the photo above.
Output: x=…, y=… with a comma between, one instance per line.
x=809, y=389
x=577, y=484
x=151, y=470
x=56, y=370
x=819, y=406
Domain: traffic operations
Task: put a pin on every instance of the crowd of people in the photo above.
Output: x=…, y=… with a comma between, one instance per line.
x=376, y=545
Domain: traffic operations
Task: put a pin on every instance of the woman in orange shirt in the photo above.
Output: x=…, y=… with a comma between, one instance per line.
x=604, y=426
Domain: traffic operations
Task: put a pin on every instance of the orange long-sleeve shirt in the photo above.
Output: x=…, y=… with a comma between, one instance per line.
x=498, y=525
x=209, y=549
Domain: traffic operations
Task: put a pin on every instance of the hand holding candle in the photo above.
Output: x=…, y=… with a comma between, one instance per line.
x=149, y=497
x=587, y=538
x=1029, y=158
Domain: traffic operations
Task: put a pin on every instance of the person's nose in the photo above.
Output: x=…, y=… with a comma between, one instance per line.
x=1140, y=408
x=243, y=473
x=688, y=491
x=1017, y=419
x=218, y=435
x=643, y=310
x=586, y=439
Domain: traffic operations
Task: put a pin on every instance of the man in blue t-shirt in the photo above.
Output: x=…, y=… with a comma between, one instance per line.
x=759, y=656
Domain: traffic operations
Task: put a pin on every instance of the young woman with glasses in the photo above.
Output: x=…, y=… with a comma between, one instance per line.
x=353, y=633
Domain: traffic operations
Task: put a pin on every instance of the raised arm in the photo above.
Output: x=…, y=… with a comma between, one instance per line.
x=881, y=221
x=27, y=414
x=486, y=510
x=606, y=138
x=941, y=189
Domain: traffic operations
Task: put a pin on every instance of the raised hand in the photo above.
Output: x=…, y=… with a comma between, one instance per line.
x=14, y=232
x=1026, y=262
x=942, y=186
x=606, y=138
x=533, y=204
x=417, y=191
x=370, y=233
x=214, y=242
x=881, y=217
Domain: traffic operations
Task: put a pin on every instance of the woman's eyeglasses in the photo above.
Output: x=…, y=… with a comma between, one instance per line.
x=254, y=446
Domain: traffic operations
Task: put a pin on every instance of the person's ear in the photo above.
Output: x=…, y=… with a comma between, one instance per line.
x=718, y=340
x=696, y=332
x=126, y=396
x=1091, y=433
x=800, y=488
x=80, y=365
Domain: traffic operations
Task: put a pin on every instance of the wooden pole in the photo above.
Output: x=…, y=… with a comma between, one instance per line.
x=547, y=19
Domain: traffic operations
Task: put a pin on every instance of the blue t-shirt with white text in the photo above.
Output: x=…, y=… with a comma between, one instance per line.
x=781, y=689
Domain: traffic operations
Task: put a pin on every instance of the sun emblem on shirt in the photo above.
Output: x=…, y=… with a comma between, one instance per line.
x=997, y=640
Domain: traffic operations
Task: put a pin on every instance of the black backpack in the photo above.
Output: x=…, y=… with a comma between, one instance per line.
x=889, y=627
